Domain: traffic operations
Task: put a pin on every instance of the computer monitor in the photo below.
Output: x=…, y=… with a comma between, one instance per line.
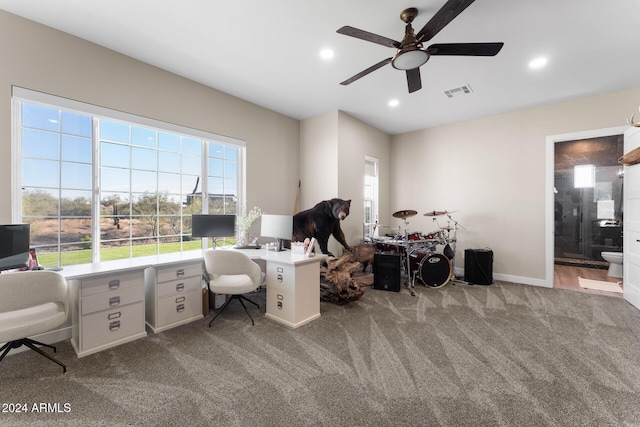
x=213, y=226
x=279, y=227
x=14, y=246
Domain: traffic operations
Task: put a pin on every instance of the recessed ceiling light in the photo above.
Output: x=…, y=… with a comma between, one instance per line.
x=393, y=103
x=538, y=63
x=326, y=54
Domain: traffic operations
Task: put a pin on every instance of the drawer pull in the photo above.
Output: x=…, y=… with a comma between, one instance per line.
x=180, y=299
x=279, y=277
x=115, y=315
x=180, y=287
x=114, y=326
x=279, y=269
x=180, y=272
x=180, y=308
x=114, y=284
x=113, y=301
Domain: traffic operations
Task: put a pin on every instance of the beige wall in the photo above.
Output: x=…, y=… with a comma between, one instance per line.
x=492, y=172
x=333, y=147
x=42, y=59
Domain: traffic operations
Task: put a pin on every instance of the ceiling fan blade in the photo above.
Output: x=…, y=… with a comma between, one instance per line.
x=367, y=36
x=413, y=80
x=446, y=14
x=367, y=71
x=468, y=49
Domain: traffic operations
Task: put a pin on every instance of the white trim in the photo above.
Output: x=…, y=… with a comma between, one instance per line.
x=550, y=163
x=29, y=95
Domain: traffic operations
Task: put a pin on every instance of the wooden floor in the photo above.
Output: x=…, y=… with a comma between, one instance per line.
x=566, y=277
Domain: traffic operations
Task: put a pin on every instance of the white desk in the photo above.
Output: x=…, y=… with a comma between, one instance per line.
x=293, y=285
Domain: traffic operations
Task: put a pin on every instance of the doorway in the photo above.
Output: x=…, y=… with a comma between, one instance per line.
x=573, y=228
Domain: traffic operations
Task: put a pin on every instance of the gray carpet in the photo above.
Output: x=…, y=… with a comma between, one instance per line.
x=504, y=354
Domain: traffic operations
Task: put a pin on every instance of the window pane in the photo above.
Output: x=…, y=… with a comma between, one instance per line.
x=40, y=203
x=76, y=175
x=113, y=179
x=169, y=182
x=76, y=124
x=216, y=150
x=43, y=145
x=40, y=173
x=143, y=159
x=76, y=149
x=168, y=162
x=230, y=169
x=143, y=137
x=192, y=165
x=114, y=131
x=216, y=167
x=142, y=182
x=191, y=146
x=114, y=155
x=169, y=142
x=231, y=153
x=76, y=230
x=145, y=204
x=39, y=117
x=75, y=203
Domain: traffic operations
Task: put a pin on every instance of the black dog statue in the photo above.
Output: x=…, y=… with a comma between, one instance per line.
x=322, y=221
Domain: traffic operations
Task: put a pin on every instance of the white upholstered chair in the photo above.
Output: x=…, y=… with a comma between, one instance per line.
x=31, y=303
x=232, y=273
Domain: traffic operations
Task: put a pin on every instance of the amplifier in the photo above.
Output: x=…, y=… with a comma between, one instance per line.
x=386, y=271
x=478, y=266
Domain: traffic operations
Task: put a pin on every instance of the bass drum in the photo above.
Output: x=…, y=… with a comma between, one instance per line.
x=435, y=270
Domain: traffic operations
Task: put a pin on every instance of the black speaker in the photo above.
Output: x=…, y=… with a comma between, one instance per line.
x=478, y=266
x=386, y=271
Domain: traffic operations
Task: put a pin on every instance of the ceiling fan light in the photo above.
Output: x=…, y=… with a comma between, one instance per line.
x=410, y=59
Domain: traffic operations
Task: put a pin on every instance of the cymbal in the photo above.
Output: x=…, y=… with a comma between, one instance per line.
x=447, y=228
x=438, y=213
x=404, y=214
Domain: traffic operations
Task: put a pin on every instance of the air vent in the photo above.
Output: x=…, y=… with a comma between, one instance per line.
x=457, y=91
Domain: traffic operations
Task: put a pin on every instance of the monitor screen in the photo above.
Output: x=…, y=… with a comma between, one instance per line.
x=277, y=226
x=14, y=246
x=213, y=226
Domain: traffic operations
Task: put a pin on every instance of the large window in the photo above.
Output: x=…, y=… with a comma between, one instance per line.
x=370, y=196
x=102, y=185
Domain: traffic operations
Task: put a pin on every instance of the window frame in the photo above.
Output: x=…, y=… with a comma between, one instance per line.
x=21, y=95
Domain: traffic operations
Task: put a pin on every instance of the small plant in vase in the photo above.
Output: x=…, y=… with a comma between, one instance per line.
x=244, y=224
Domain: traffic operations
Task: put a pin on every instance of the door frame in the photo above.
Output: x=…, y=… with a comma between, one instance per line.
x=549, y=183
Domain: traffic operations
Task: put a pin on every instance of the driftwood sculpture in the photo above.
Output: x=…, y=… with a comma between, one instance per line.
x=338, y=286
x=631, y=158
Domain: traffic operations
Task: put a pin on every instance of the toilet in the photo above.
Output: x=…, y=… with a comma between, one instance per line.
x=615, y=263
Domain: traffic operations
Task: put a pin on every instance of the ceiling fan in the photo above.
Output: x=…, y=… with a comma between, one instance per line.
x=410, y=53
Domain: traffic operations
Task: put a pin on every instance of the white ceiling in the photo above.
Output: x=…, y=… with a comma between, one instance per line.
x=267, y=52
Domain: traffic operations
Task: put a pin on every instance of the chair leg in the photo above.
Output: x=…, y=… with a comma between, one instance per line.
x=221, y=309
x=247, y=299
x=31, y=344
x=240, y=298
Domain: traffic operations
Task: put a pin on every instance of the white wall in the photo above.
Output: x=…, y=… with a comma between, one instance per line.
x=46, y=60
x=492, y=172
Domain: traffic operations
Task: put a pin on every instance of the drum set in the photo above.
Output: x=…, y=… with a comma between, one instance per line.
x=426, y=257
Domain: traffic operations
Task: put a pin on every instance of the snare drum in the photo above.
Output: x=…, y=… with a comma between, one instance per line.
x=387, y=245
x=434, y=270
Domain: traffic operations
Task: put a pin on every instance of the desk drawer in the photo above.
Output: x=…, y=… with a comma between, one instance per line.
x=111, y=300
x=281, y=305
x=110, y=283
x=187, y=284
x=111, y=325
x=282, y=277
x=180, y=272
x=175, y=308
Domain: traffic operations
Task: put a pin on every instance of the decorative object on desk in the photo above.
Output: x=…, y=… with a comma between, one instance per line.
x=244, y=225
x=322, y=221
x=338, y=286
